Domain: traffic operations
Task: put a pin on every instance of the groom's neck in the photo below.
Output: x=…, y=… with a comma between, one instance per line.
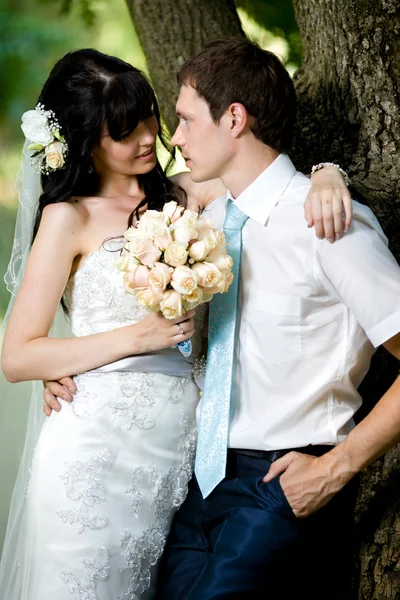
x=250, y=160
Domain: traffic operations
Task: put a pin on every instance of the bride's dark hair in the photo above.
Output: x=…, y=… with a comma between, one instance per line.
x=88, y=90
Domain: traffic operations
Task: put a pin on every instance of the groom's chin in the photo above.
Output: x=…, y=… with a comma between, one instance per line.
x=198, y=177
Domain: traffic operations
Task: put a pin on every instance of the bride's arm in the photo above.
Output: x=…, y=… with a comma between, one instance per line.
x=27, y=351
x=327, y=207
x=199, y=194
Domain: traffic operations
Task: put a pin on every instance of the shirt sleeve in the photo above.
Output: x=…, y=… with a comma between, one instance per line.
x=361, y=272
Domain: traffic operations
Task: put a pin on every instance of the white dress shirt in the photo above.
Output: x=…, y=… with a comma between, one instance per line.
x=310, y=315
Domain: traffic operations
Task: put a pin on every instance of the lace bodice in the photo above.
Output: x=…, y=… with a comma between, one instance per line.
x=97, y=301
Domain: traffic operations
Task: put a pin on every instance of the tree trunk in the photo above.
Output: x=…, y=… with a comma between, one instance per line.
x=349, y=112
x=170, y=31
x=349, y=97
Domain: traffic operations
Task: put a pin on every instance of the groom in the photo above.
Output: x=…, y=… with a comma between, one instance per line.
x=288, y=346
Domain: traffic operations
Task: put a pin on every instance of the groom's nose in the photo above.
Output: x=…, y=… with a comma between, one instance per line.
x=178, y=139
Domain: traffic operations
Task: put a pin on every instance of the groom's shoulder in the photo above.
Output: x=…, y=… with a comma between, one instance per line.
x=298, y=187
x=294, y=195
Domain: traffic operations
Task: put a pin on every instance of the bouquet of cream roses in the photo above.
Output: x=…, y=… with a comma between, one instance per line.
x=173, y=261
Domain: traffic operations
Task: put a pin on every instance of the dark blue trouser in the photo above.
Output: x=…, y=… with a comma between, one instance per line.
x=244, y=542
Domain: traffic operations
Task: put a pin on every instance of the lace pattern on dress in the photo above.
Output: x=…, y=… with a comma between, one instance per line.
x=138, y=388
x=94, y=570
x=96, y=291
x=137, y=500
x=169, y=490
x=82, y=484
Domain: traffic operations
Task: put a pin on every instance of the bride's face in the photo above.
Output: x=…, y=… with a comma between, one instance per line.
x=134, y=155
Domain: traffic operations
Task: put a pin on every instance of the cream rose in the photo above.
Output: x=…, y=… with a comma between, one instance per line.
x=144, y=250
x=223, y=285
x=172, y=211
x=210, y=238
x=161, y=235
x=160, y=276
x=192, y=300
x=200, y=249
x=133, y=233
x=184, y=280
x=190, y=217
x=138, y=277
x=220, y=259
x=209, y=275
x=207, y=296
x=184, y=233
x=34, y=126
x=171, y=305
x=148, y=220
x=54, y=155
x=220, y=237
x=203, y=225
x=125, y=263
x=149, y=298
x=176, y=254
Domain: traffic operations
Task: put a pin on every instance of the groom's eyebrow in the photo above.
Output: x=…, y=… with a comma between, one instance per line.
x=181, y=113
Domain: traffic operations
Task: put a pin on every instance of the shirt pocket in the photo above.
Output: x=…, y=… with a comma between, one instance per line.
x=273, y=329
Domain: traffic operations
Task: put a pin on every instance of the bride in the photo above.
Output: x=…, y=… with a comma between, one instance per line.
x=94, y=502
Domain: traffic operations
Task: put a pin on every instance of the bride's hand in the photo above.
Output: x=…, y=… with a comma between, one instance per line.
x=328, y=204
x=155, y=332
x=65, y=389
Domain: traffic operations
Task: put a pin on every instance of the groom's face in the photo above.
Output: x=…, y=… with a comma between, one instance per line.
x=204, y=143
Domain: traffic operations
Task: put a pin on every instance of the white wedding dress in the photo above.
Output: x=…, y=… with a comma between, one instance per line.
x=110, y=470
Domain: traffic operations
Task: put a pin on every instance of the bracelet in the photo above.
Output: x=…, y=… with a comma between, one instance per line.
x=328, y=164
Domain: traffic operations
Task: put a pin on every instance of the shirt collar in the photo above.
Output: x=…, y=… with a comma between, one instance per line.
x=260, y=197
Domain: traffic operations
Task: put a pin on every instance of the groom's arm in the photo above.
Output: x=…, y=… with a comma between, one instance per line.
x=364, y=276
x=309, y=482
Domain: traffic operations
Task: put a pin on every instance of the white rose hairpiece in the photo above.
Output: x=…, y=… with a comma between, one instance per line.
x=49, y=148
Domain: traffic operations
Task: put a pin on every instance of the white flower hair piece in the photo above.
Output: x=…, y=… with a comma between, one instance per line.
x=49, y=148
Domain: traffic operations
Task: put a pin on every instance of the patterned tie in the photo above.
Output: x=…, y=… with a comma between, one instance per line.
x=216, y=406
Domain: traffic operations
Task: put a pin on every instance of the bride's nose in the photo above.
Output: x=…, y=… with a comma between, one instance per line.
x=147, y=137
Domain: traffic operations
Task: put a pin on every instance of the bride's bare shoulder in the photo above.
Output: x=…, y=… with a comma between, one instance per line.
x=69, y=217
x=199, y=194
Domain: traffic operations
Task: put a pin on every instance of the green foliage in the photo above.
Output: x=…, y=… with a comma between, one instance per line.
x=29, y=43
x=7, y=220
x=276, y=16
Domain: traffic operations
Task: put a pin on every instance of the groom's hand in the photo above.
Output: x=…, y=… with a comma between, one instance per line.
x=65, y=389
x=308, y=482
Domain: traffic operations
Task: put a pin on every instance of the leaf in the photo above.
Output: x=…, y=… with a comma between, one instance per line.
x=58, y=135
x=35, y=146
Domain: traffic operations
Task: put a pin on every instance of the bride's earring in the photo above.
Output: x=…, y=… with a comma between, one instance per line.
x=90, y=169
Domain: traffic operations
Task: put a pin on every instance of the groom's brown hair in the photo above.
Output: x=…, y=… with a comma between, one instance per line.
x=237, y=70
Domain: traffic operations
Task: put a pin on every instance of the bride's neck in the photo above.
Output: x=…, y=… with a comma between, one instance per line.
x=117, y=184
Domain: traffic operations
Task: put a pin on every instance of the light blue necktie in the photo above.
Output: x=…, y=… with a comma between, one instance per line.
x=216, y=406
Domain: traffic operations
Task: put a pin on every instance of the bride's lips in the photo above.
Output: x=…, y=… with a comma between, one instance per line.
x=148, y=154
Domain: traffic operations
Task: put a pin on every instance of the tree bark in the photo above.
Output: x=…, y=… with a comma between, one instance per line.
x=349, y=97
x=170, y=31
x=349, y=112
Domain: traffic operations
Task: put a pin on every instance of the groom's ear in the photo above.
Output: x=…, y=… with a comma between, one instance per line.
x=238, y=118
